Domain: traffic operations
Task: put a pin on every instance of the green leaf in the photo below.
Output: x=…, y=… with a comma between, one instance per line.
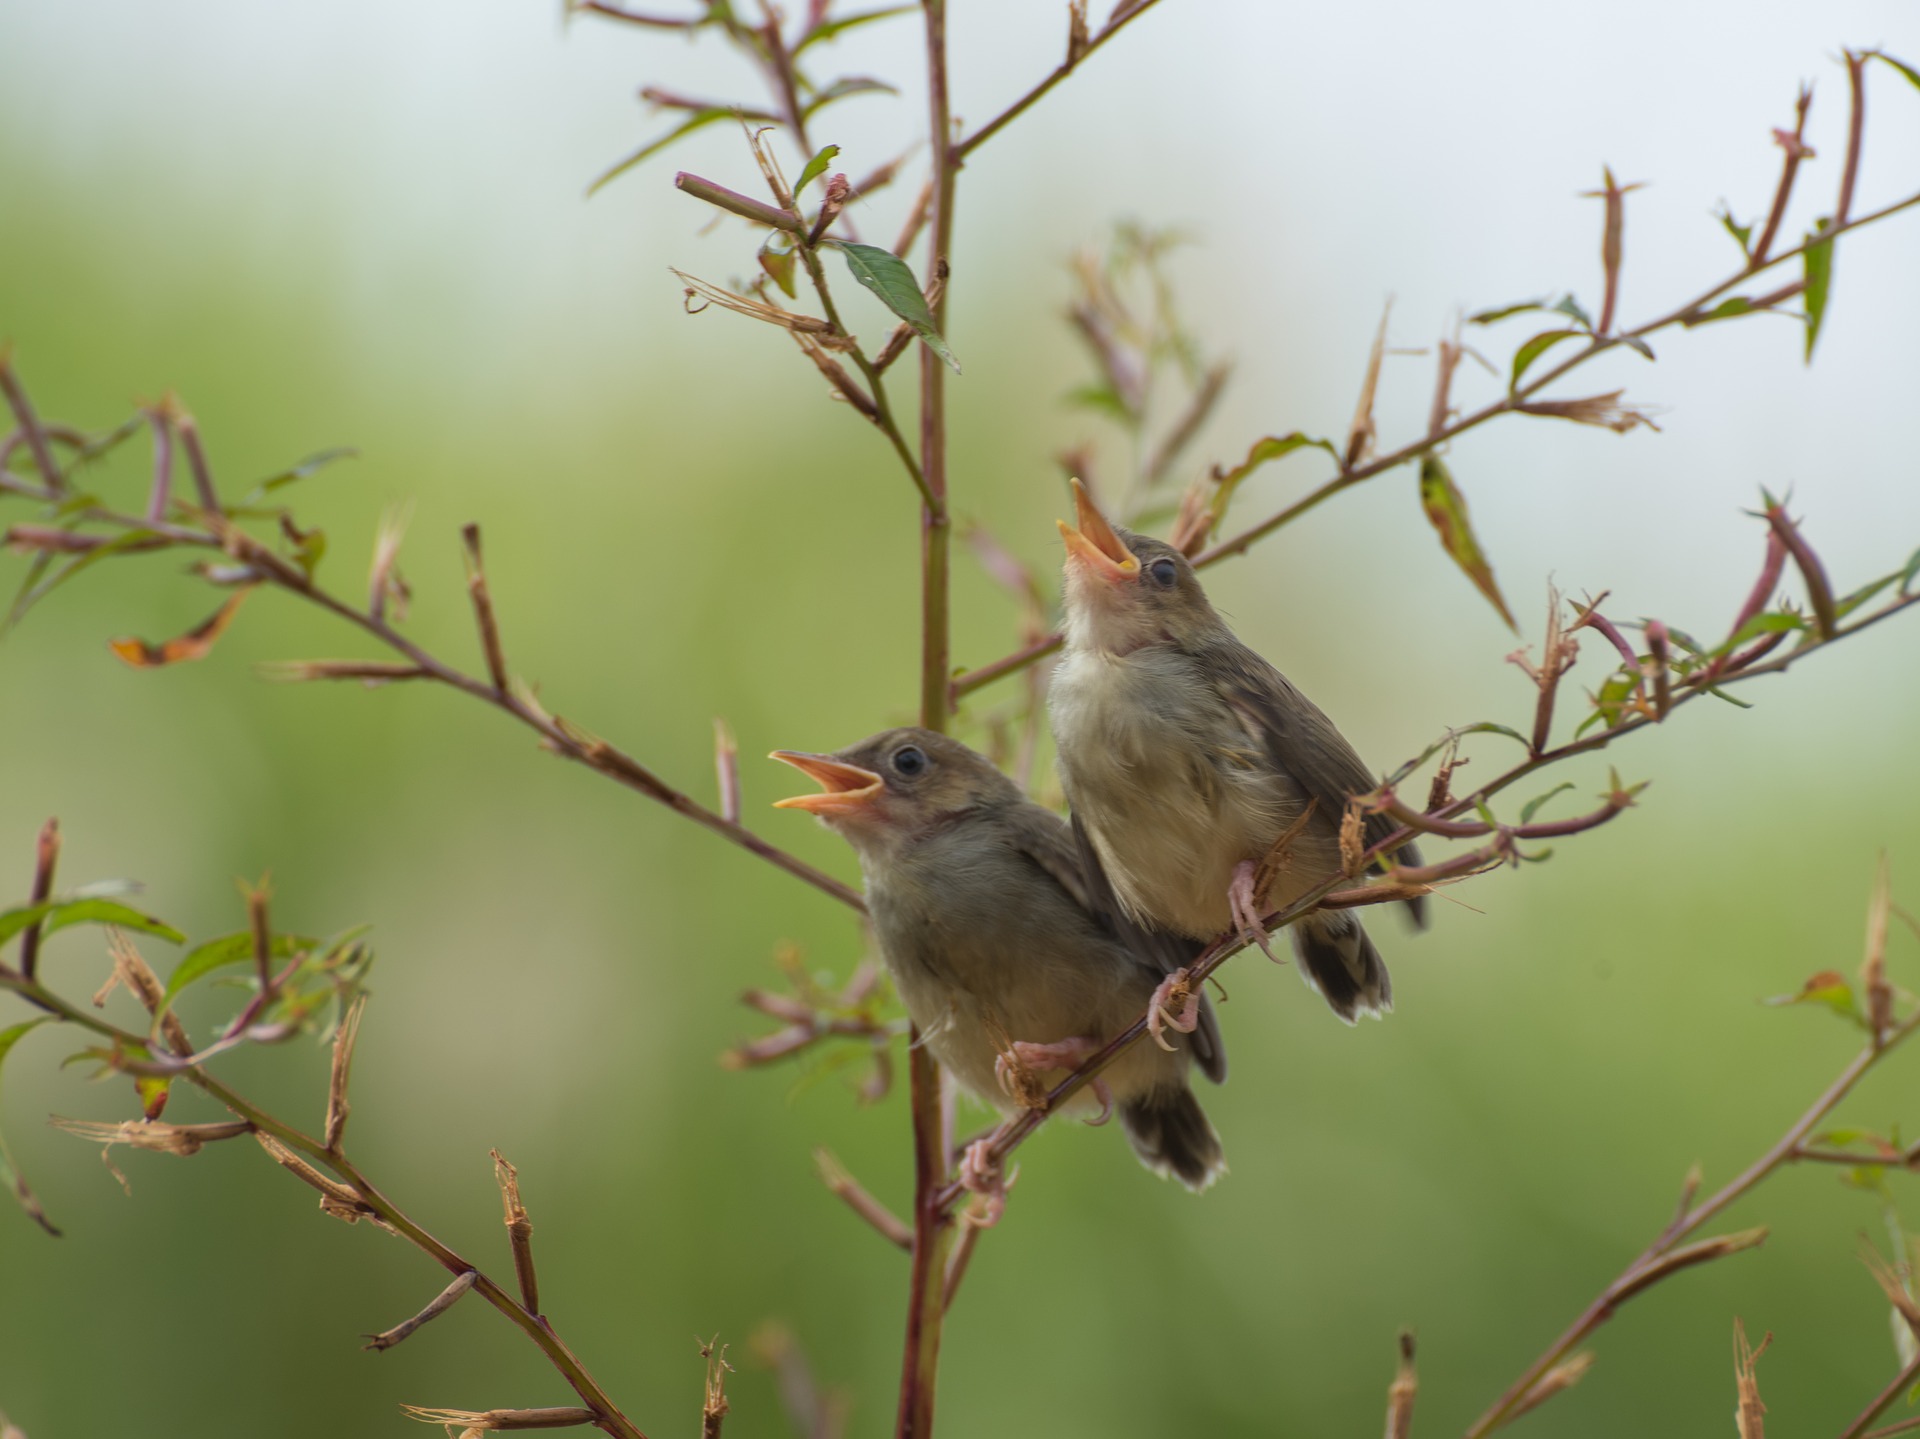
x=1830, y=990
x=57, y=914
x=1910, y=573
x=698, y=120
x=887, y=275
x=1273, y=447
x=32, y=593
x=1570, y=307
x=1489, y=727
x=1913, y=75
x=1637, y=345
x=1536, y=347
x=1532, y=806
x=9, y=1174
x=776, y=258
x=1742, y=234
x=1817, y=263
x=1101, y=398
x=1501, y=312
x=831, y=29
x=1845, y=607
x=1727, y=309
x=842, y=89
x=815, y=168
x=310, y=465
x=1446, y=510
x=202, y=960
x=1609, y=702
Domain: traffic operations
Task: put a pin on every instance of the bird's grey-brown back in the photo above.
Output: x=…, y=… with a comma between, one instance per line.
x=1186, y=755
x=979, y=902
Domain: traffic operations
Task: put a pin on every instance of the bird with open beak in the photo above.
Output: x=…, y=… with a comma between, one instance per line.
x=981, y=907
x=1187, y=758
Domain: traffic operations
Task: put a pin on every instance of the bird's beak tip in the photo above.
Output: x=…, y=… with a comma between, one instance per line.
x=1094, y=543
x=844, y=788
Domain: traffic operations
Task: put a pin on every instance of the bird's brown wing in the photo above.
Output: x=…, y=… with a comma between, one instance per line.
x=1302, y=741
x=1066, y=856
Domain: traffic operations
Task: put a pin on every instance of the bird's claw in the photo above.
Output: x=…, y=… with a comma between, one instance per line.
x=1244, y=903
x=1175, y=1003
x=981, y=1173
x=1019, y=1065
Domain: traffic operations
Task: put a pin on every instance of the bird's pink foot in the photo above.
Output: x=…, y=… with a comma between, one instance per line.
x=1245, y=907
x=981, y=1173
x=1175, y=1004
x=1018, y=1066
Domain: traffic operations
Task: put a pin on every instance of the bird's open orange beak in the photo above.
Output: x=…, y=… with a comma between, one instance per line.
x=844, y=788
x=1094, y=543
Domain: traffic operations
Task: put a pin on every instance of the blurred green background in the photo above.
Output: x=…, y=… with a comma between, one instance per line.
x=363, y=224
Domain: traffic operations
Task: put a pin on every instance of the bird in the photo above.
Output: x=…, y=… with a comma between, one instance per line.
x=1188, y=761
x=980, y=903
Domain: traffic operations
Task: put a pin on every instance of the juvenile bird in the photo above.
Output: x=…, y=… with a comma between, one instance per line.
x=980, y=903
x=1186, y=758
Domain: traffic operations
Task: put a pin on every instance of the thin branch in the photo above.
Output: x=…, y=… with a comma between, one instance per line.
x=1909, y=1372
x=30, y=426
x=46, y=858
x=441, y=1303
x=1794, y=149
x=1123, y=17
x=519, y=1232
x=1662, y=1258
x=849, y=1190
x=352, y=1189
x=932, y=1226
x=483, y=616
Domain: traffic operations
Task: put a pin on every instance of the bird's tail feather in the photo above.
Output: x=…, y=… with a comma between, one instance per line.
x=1171, y=1134
x=1338, y=960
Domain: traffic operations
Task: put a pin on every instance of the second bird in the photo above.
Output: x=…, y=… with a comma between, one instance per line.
x=1005, y=959
x=1186, y=757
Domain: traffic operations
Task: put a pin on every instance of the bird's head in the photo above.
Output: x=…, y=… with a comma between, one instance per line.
x=1126, y=591
x=896, y=786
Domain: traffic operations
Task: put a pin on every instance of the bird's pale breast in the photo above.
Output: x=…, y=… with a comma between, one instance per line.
x=1169, y=785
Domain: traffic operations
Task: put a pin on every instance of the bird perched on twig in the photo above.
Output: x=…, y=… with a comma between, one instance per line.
x=981, y=906
x=1197, y=774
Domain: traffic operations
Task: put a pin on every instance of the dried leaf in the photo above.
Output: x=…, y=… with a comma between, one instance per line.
x=1360, y=434
x=1747, y=1414
x=1446, y=510
x=195, y=644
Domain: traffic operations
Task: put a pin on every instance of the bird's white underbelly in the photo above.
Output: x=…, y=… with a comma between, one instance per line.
x=1170, y=811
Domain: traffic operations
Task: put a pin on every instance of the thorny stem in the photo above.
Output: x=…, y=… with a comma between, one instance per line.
x=1602, y=1308
x=932, y=1227
x=535, y=1327
x=966, y=683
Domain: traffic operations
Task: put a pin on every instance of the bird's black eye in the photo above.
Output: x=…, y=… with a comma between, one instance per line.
x=1164, y=572
x=909, y=761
